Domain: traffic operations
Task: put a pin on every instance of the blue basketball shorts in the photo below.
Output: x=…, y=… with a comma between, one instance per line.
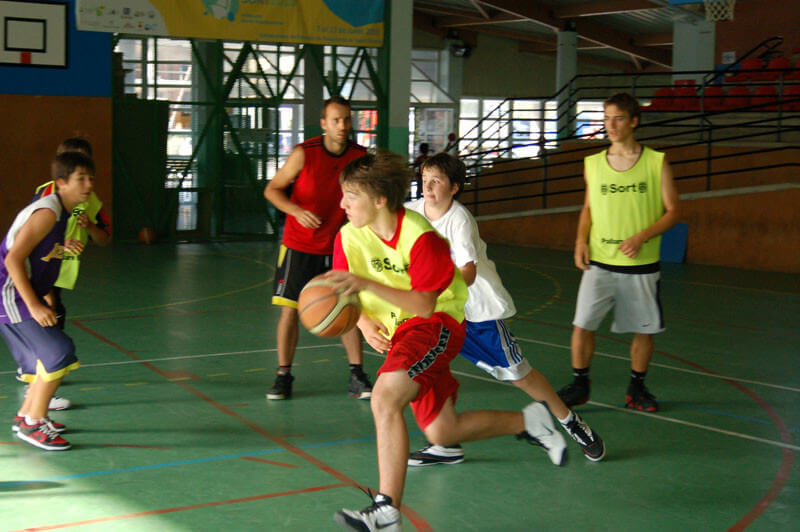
x=44, y=351
x=491, y=346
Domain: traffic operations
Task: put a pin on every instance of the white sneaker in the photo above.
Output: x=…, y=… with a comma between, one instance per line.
x=59, y=403
x=380, y=515
x=540, y=430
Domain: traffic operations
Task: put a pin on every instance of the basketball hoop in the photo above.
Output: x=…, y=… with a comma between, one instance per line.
x=718, y=10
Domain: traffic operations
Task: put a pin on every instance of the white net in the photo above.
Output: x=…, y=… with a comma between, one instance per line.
x=719, y=9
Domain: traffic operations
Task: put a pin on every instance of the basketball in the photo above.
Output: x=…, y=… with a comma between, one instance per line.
x=147, y=235
x=324, y=311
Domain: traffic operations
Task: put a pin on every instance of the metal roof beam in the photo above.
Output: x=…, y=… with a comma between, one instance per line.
x=607, y=7
x=590, y=30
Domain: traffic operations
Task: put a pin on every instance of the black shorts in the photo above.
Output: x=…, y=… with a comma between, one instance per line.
x=294, y=270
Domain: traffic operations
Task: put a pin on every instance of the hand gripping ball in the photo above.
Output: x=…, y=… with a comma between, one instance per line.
x=326, y=312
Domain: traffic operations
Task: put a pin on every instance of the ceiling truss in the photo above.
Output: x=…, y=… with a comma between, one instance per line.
x=503, y=18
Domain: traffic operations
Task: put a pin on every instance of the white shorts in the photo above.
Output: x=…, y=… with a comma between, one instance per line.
x=634, y=297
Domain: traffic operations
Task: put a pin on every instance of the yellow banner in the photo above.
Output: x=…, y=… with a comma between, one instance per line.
x=334, y=22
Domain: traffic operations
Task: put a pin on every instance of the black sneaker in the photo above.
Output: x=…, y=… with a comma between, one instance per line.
x=592, y=445
x=575, y=394
x=380, y=515
x=360, y=387
x=640, y=398
x=436, y=454
x=282, y=389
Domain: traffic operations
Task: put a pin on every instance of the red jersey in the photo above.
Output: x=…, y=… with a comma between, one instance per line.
x=317, y=189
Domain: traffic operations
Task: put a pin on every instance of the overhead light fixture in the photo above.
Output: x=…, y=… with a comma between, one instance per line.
x=461, y=50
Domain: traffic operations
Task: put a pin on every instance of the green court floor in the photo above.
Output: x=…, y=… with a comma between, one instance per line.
x=171, y=430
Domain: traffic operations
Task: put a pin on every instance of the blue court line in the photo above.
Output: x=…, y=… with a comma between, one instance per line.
x=184, y=462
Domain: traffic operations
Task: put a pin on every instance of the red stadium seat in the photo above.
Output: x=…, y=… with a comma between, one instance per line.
x=791, y=92
x=738, y=96
x=764, y=95
x=755, y=65
x=751, y=63
x=713, y=98
x=662, y=100
x=685, y=99
x=794, y=74
x=776, y=68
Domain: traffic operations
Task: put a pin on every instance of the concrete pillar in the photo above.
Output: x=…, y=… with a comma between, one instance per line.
x=207, y=79
x=566, y=69
x=313, y=64
x=454, y=85
x=693, y=47
x=394, y=60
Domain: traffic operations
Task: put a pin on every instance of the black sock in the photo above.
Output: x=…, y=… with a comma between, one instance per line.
x=637, y=377
x=356, y=369
x=581, y=376
x=284, y=370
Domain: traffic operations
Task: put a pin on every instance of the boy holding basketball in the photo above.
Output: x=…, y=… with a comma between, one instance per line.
x=31, y=254
x=489, y=343
x=412, y=299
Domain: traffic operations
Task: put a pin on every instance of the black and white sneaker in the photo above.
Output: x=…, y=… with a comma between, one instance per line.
x=540, y=430
x=359, y=387
x=436, y=454
x=19, y=375
x=592, y=445
x=380, y=515
x=282, y=388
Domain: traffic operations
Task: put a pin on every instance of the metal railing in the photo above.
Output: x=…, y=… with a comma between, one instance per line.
x=692, y=120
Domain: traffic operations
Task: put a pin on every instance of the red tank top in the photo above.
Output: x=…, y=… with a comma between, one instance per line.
x=317, y=189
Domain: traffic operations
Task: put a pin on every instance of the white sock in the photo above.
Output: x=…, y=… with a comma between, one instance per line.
x=567, y=419
x=32, y=421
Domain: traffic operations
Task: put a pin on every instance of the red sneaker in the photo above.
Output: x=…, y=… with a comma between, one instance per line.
x=42, y=435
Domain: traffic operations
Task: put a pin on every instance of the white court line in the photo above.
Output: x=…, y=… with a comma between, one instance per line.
x=183, y=357
x=656, y=416
x=528, y=340
x=488, y=379
x=674, y=368
x=699, y=426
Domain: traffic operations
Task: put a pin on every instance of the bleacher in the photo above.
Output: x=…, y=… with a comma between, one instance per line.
x=755, y=85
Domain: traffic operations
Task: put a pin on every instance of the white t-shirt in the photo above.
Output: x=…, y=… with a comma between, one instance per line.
x=488, y=299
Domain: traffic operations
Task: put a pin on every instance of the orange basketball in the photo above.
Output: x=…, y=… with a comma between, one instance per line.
x=326, y=312
x=147, y=235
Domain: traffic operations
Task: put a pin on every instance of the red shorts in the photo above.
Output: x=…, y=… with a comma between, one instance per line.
x=424, y=348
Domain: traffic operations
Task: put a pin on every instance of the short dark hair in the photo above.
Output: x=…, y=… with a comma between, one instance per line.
x=453, y=167
x=382, y=174
x=339, y=100
x=75, y=144
x=625, y=102
x=66, y=163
